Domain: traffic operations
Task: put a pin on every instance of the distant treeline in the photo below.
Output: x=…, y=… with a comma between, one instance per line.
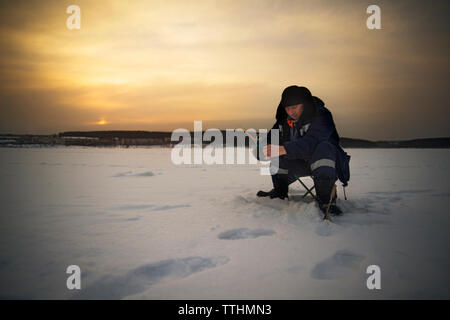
x=345, y=142
x=416, y=143
x=134, y=138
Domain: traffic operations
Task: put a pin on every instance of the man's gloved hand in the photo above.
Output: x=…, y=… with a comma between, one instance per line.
x=272, y=150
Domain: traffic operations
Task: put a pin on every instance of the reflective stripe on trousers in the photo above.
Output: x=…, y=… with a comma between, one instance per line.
x=323, y=163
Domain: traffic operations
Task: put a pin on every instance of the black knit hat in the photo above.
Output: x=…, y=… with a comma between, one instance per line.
x=294, y=95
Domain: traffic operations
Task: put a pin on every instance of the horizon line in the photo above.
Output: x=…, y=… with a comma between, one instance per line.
x=341, y=137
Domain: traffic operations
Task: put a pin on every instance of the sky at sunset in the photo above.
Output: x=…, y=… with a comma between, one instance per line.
x=160, y=65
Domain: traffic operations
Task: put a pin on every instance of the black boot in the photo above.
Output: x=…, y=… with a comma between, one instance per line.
x=272, y=194
x=280, y=189
x=323, y=191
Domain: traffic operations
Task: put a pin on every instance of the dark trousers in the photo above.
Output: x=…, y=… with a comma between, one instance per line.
x=320, y=166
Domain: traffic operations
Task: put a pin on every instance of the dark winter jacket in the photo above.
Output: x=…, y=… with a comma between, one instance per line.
x=314, y=126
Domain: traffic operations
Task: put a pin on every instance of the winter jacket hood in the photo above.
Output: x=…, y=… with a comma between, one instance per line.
x=309, y=111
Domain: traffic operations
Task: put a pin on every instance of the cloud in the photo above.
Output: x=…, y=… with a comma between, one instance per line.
x=161, y=63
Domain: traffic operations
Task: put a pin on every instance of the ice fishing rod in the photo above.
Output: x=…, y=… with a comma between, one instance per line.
x=333, y=192
x=252, y=137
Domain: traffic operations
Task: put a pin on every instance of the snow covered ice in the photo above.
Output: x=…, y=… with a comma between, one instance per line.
x=140, y=227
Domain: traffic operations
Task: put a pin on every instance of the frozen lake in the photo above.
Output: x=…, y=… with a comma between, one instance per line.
x=140, y=227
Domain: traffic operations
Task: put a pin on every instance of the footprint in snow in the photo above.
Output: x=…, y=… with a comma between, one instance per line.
x=244, y=233
x=140, y=279
x=130, y=174
x=337, y=266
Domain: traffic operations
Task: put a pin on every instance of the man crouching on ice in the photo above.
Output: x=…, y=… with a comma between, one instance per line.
x=309, y=146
